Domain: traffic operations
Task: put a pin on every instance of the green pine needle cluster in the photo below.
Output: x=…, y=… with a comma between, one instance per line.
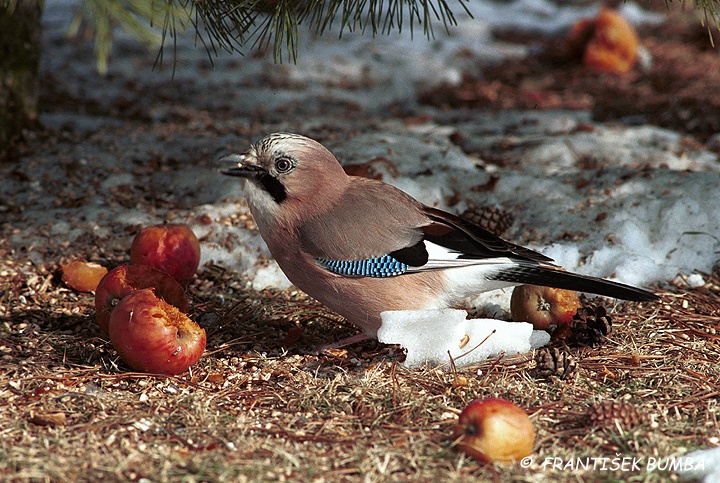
x=711, y=11
x=271, y=25
x=98, y=18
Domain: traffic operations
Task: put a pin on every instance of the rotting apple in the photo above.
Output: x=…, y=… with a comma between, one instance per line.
x=494, y=430
x=82, y=276
x=546, y=308
x=172, y=248
x=608, y=42
x=126, y=279
x=614, y=47
x=151, y=335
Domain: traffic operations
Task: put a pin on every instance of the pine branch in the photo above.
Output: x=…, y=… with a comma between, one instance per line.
x=231, y=25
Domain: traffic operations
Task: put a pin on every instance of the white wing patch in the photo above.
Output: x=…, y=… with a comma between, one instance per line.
x=440, y=258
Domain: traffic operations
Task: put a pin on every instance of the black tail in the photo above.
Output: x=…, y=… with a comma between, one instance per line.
x=548, y=277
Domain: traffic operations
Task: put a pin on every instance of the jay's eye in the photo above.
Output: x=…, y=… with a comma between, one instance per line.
x=283, y=165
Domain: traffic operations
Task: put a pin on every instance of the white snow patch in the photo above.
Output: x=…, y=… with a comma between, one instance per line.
x=701, y=465
x=270, y=276
x=434, y=336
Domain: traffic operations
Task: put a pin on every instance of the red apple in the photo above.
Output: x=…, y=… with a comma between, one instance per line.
x=153, y=336
x=546, y=308
x=82, y=276
x=494, y=431
x=172, y=248
x=124, y=280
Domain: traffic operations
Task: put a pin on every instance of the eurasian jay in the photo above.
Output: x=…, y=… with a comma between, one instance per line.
x=361, y=246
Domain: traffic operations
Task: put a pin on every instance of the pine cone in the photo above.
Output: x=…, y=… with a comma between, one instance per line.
x=609, y=413
x=589, y=325
x=493, y=219
x=551, y=362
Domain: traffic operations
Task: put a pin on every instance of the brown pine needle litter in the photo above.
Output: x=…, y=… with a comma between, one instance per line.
x=263, y=405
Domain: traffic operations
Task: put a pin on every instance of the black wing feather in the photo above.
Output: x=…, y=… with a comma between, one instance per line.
x=415, y=255
x=473, y=240
x=526, y=273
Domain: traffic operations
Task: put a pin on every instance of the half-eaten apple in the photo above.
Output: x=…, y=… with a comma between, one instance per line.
x=151, y=335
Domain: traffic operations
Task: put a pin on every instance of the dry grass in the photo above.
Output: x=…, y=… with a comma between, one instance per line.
x=261, y=406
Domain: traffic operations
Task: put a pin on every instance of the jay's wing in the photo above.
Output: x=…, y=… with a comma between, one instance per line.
x=379, y=231
x=376, y=225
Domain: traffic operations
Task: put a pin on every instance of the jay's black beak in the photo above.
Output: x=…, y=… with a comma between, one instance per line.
x=241, y=167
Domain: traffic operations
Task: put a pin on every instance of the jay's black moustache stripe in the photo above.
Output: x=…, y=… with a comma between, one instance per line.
x=274, y=187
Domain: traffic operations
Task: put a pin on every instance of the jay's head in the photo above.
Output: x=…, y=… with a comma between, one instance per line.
x=288, y=174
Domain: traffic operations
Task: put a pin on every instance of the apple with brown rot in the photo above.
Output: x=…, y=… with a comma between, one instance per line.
x=126, y=279
x=546, y=308
x=494, y=430
x=151, y=335
x=172, y=248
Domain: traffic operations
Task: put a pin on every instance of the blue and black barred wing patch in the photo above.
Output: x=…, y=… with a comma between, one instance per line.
x=380, y=267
